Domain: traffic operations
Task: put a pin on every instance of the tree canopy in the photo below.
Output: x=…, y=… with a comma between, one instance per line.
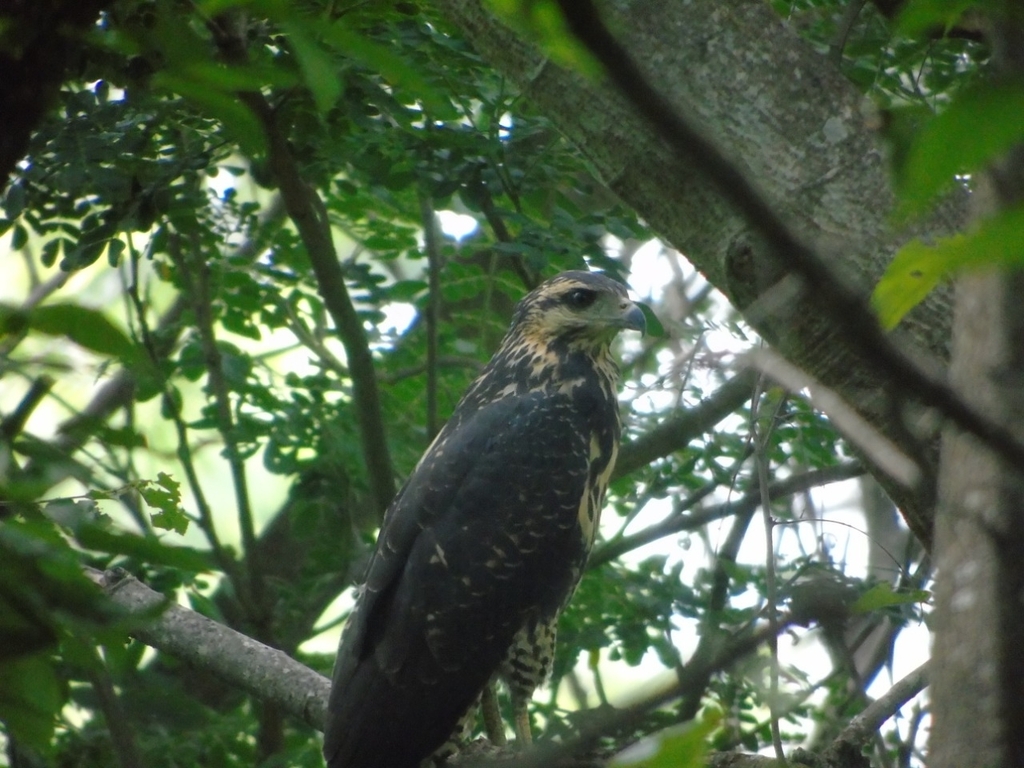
x=255, y=251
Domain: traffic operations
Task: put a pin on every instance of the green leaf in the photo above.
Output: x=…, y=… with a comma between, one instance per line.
x=31, y=696
x=921, y=16
x=211, y=8
x=143, y=548
x=654, y=326
x=882, y=596
x=171, y=519
x=682, y=747
x=979, y=126
x=97, y=232
x=164, y=494
x=319, y=70
x=917, y=268
x=542, y=20
x=391, y=66
x=236, y=118
x=123, y=437
x=49, y=253
x=89, y=328
x=14, y=201
x=20, y=237
x=115, y=248
x=239, y=78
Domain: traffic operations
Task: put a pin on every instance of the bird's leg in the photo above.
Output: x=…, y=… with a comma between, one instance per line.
x=521, y=719
x=492, y=715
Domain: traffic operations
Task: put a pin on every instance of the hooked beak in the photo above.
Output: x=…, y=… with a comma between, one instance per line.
x=632, y=318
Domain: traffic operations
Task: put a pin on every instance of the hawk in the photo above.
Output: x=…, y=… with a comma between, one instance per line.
x=486, y=541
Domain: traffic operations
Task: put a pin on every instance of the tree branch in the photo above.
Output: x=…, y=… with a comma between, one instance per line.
x=239, y=660
x=122, y=736
x=306, y=212
x=762, y=448
x=497, y=224
x=679, y=523
x=195, y=273
x=843, y=305
x=865, y=725
x=831, y=185
x=73, y=433
x=12, y=425
x=676, y=431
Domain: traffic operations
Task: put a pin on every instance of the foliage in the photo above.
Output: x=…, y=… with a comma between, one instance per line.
x=978, y=125
x=184, y=409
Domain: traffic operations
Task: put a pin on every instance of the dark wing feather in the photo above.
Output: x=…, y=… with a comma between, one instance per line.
x=478, y=538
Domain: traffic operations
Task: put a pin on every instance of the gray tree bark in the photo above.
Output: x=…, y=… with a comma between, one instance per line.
x=796, y=126
x=978, y=666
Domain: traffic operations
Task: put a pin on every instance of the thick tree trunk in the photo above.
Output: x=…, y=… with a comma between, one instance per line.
x=40, y=41
x=789, y=118
x=978, y=527
x=978, y=665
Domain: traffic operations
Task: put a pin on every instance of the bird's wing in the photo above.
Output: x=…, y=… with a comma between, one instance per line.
x=484, y=530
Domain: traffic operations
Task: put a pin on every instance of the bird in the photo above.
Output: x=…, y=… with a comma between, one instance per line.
x=486, y=541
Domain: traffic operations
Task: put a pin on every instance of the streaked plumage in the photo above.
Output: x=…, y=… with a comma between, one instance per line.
x=485, y=543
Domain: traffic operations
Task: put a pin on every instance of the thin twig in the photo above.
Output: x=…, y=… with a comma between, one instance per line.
x=879, y=449
x=500, y=231
x=443, y=361
x=308, y=214
x=37, y=295
x=690, y=684
x=838, y=44
x=796, y=484
x=762, y=440
x=171, y=405
x=195, y=274
x=122, y=735
x=311, y=341
x=14, y=424
x=198, y=273
x=675, y=432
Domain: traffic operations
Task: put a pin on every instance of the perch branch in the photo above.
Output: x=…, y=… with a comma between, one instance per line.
x=239, y=660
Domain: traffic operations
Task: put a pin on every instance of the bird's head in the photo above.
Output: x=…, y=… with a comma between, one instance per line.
x=578, y=309
x=560, y=335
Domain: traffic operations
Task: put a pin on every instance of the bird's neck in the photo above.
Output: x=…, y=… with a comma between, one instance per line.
x=524, y=364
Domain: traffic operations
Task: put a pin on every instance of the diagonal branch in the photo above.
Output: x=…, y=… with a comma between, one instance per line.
x=843, y=305
x=864, y=726
x=676, y=431
x=239, y=660
x=679, y=523
x=306, y=212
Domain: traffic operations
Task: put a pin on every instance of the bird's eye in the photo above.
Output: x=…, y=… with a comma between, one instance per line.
x=580, y=298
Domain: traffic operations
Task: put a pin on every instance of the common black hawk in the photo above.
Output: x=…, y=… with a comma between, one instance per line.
x=485, y=543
